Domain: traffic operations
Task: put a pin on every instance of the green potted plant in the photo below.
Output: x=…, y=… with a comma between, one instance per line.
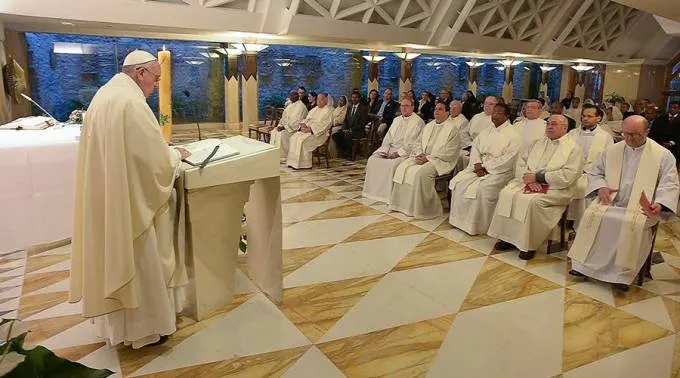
x=614, y=98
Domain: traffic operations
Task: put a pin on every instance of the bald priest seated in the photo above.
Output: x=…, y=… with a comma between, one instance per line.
x=531, y=205
x=633, y=181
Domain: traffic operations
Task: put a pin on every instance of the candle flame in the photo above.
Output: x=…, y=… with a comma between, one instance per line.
x=163, y=47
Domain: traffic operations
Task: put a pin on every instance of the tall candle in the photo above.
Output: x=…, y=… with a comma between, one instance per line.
x=165, y=93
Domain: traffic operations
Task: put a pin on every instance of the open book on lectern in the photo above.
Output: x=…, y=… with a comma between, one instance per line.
x=206, y=151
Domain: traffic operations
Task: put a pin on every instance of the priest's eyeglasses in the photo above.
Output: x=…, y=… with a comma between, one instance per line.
x=157, y=78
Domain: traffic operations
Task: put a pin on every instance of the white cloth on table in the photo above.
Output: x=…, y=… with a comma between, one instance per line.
x=303, y=144
x=290, y=121
x=402, y=138
x=474, y=198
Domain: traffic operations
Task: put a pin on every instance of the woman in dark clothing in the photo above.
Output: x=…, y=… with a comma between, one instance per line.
x=312, y=100
x=470, y=106
x=414, y=98
x=373, y=101
x=426, y=107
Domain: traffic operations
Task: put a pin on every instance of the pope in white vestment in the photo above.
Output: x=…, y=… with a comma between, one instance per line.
x=124, y=266
x=531, y=127
x=525, y=219
x=492, y=165
x=401, y=138
x=313, y=133
x=614, y=237
x=289, y=123
x=437, y=154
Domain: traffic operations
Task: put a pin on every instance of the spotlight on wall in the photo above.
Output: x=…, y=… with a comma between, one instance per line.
x=582, y=67
x=474, y=63
x=407, y=55
x=509, y=62
x=373, y=58
x=194, y=62
x=545, y=68
x=248, y=48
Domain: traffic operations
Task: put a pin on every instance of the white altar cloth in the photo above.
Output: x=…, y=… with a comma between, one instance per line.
x=37, y=174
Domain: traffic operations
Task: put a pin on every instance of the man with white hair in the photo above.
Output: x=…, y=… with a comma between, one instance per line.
x=289, y=123
x=531, y=205
x=312, y=134
x=123, y=263
x=532, y=126
x=399, y=142
x=478, y=123
x=631, y=183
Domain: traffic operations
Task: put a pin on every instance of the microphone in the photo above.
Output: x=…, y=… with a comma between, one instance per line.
x=188, y=94
x=38, y=105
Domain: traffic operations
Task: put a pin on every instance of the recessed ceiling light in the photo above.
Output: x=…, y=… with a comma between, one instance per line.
x=66, y=23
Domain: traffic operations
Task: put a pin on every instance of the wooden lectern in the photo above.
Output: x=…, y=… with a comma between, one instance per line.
x=215, y=197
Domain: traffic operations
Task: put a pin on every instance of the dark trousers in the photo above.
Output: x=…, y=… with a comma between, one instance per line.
x=344, y=142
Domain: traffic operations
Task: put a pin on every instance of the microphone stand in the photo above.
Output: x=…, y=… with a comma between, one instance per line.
x=188, y=94
x=40, y=107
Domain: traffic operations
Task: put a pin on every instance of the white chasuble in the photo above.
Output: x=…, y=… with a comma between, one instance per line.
x=531, y=130
x=303, y=144
x=474, y=198
x=124, y=264
x=413, y=192
x=292, y=115
x=402, y=137
x=478, y=123
x=612, y=242
x=526, y=220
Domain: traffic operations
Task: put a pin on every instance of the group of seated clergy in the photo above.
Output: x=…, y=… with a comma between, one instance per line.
x=522, y=177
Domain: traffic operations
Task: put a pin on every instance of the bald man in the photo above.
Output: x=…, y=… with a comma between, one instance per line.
x=289, y=123
x=615, y=237
x=124, y=266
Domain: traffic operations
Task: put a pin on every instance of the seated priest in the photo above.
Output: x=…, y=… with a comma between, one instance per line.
x=478, y=123
x=354, y=126
x=461, y=124
x=289, y=123
x=592, y=140
x=397, y=145
x=413, y=192
x=531, y=205
x=634, y=181
x=312, y=134
x=531, y=127
x=492, y=165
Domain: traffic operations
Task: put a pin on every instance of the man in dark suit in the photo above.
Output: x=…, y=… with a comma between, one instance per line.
x=665, y=129
x=558, y=108
x=354, y=125
x=387, y=112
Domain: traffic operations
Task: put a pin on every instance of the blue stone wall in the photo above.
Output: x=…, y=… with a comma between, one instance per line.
x=555, y=83
x=521, y=81
x=435, y=72
x=64, y=82
x=389, y=72
x=490, y=80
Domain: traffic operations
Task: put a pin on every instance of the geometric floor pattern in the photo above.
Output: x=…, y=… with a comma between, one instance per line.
x=371, y=293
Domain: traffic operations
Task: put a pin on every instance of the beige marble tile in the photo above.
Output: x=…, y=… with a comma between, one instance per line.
x=33, y=282
x=386, y=226
x=273, y=364
x=320, y=194
x=405, y=351
x=445, y=226
x=314, y=309
x=75, y=353
x=666, y=245
x=594, y=330
x=298, y=184
x=346, y=210
x=675, y=370
x=673, y=309
x=293, y=259
x=635, y=294
x=435, y=250
x=36, y=263
x=32, y=304
x=500, y=282
x=43, y=329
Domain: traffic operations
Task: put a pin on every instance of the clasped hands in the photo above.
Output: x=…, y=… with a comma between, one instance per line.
x=391, y=155
x=420, y=159
x=479, y=170
x=529, y=179
x=304, y=128
x=604, y=196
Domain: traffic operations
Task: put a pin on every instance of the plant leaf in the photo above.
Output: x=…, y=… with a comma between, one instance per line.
x=41, y=362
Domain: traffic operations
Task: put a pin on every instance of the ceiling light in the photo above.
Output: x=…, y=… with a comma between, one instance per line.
x=509, y=62
x=474, y=64
x=582, y=67
x=66, y=23
x=406, y=56
x=373, y=58
x=545, y=68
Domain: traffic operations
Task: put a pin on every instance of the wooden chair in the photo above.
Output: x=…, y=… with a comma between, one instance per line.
x=264, y=133
x=322, y=152
x=564, y=242
x=646, y=270
x=367, y=142
x=268, y=120
x=446, y=178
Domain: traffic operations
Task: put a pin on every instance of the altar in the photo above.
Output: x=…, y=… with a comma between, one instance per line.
x=38, y=175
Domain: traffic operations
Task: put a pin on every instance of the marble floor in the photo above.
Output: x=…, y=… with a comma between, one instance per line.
x=369, y=293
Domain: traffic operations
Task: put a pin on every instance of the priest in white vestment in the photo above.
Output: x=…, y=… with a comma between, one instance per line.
x=478, y=123
x=615, y=236
x=460, y=122
x=492, y=165
x=592, y=140
x=289, y=123
x=437, y=154
x=574, y=111
x=531, y=127
x=123, y=262
x=399, y=142
x=531, y=205
x=314, y=130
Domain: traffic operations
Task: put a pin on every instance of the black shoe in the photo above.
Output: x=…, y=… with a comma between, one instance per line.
x=576, y=274
x=503, y=246
x=528, y=255
x=621, y=287
x=162, y=341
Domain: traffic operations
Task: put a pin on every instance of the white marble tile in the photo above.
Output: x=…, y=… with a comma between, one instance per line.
x=243, y=284
x=484, y=245
x=671, y=260
x=61, y=309
x=20, y=262
x=674, y=297
x=299, y=211
x=11, y=293
x=16, y=272
x=292, y=192
x=15, y=255
x=430, y=224
x=325, y=231
x=409, y=296
x=313, y=364
x=653, y=359
x=11, y=315
x=381, y=207
x=365, y=201
x=10, y=305
x=653, y=310
x=325, y=183
x=555, y=272
x=662, y=287
x=400, y=216
x=355, y=259
x=255, y=327
x=601, y=291
x=105, y=357
x=54, y=288
x=81, y=334
x=455, y=235
x=520, y=338
x=664, y=272
x=64, y=265
x=336, y=189
x=350, y=195
x=17, y=281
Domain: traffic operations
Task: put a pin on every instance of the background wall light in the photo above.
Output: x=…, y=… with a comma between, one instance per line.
x=407, y=56
x=509, y=62
x=582, y=67
x=373, y=58
x=545, y=68
x=474, y=64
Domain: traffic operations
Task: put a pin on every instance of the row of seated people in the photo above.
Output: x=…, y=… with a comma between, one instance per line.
x=522, y=177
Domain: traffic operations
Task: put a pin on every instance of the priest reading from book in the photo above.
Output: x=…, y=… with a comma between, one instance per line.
x=492, y=165
x=289, y=123
x=399, y=142
x=124, y=267
x=592, y=140
x=314, y=130
x=632, y=183
x=413, y=192
x=531, y=205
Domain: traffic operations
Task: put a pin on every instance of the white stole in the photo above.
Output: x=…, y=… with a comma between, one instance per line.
x=645, y=180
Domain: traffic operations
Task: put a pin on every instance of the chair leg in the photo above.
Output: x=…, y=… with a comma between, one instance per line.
x=449, y=196
x=563, y=230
